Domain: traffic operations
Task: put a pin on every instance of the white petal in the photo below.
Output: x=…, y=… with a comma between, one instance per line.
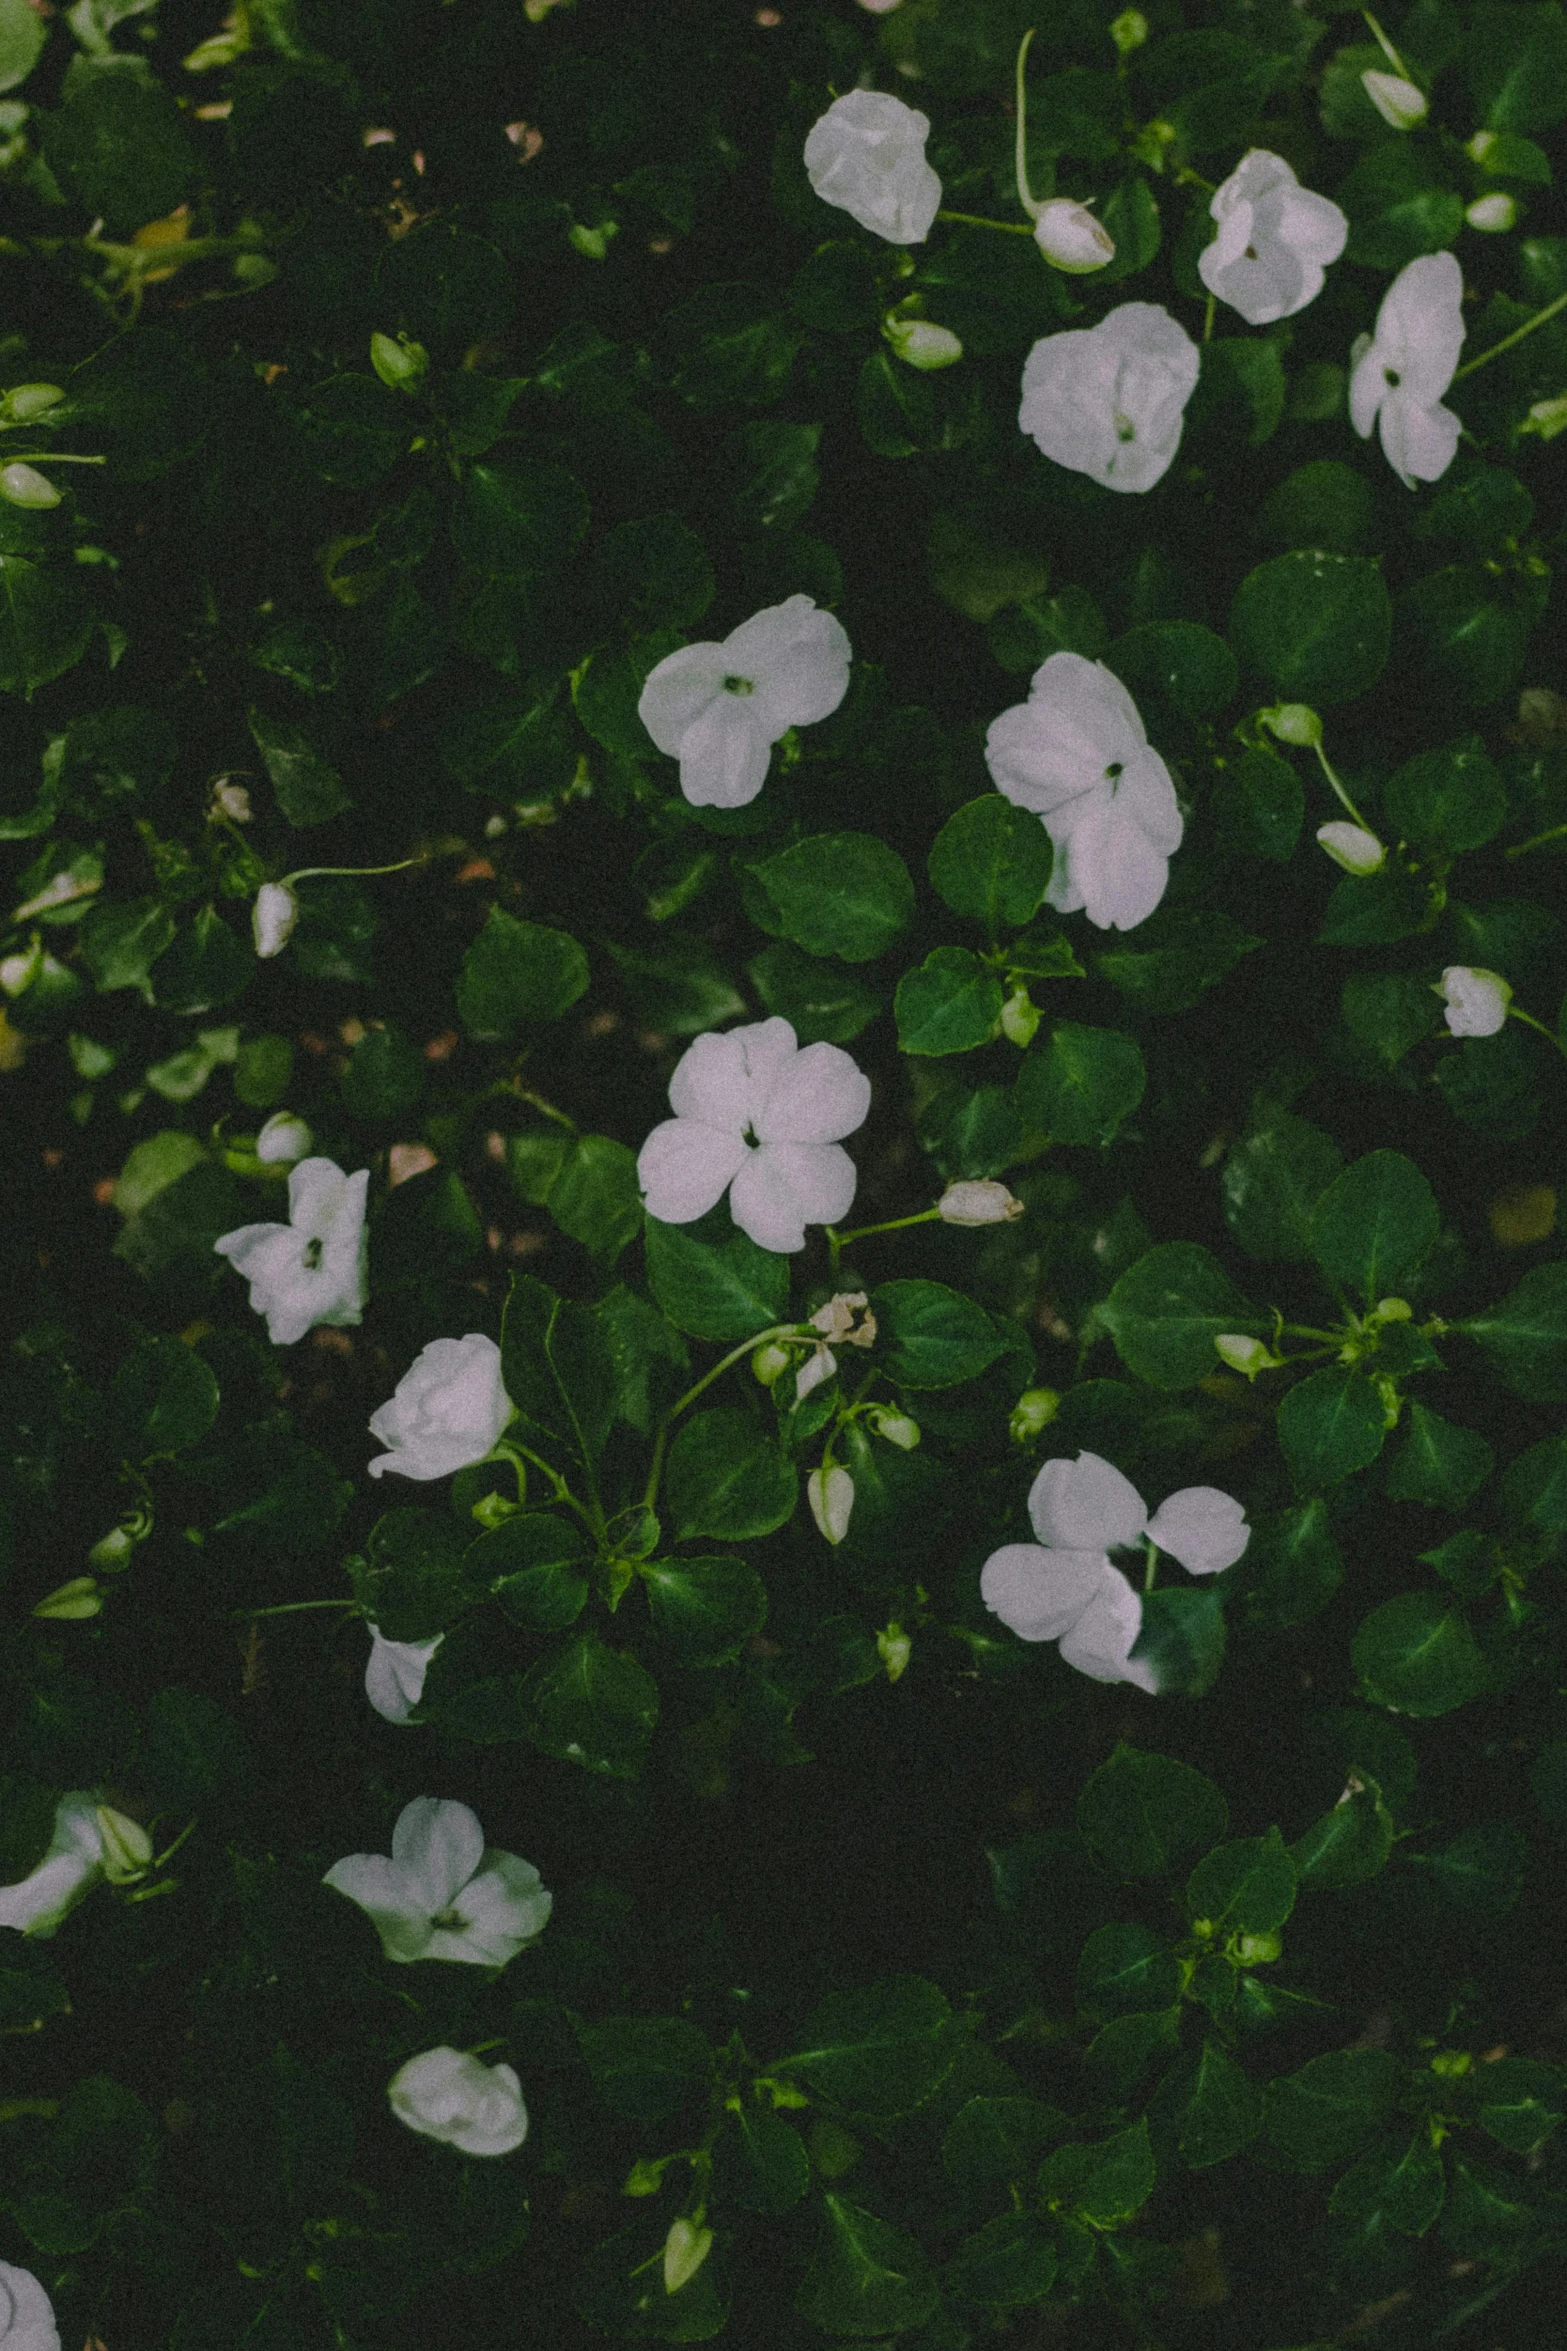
x=1144, y=792
x=437, y=1844
x=1312, y=226
x=685, y=1169
x=767, y=1047
x=1100, y=1642
x=799, y=660
x=1068, y=399
x=26, y=2312
x=1085, y=1505
x=244, y=1246
x=712, y=1082
x=819, y=1096
x=1368, y=388
x=677, y=692
x=381, y=1891
x=1420, y=324
x=1418, y=443
x=1121, y=874
x=1202, y=1527
x=783, y=1187
x=724, y=754
x=1039, y=1594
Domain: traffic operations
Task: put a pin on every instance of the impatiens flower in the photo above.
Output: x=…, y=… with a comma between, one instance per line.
x=394, y=1676
x=1063, y=1587
x=1351, y=846
x=1076, y=754
x=759, y=1117
x=1110, y=400
x=1476, y=999
x=445, y=1412
x=1070, y=238
x=273, y=917
x=866, y=154
x=26, y=2312
x=1275, y=240
x=444, y=1894
x=1401, y=372
x=314, y=1269
x=719, y=709
x=445, y=2094
x=283, y=1140
x=90, y=1841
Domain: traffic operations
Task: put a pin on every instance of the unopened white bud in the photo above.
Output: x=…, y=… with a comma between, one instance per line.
x=1293, y=722
x=1020, y=1017
x=982, y=1202
x=399, y=363
x=1476, y=999
x=769, y=1363
x=273, y=917
x=919, y=343
x=685, y=2249
x=1494, y=214
x=283, y=1139
x=232, y=801
x=127, y=1848
x=896, y=1427
x=24, y=485
x=1070, y=238
x=1398, y=102
x=831, y=1499
x=1034, y=1410
x=1245, y=1355
x=1547, y=418
x=25, y=401
x=895, y=1648
x=71, y=1603
x=818, y=1366
x=1352, y=847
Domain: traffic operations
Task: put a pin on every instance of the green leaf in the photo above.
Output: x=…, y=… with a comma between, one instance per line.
x=838, y=290
x=590, y=1705
x=1400, y=204
x=1165, y=1312
x=992, y=862
x=22, y=36
x=765, y=476
x=425, y=1229
x=1468, y=1561
x=1464, y=642
x=1179, y=953
x=1178, y=658
x=164, y=1398
x=1246, y=1887
x=1515, y=63
x=558, y=1369
x=1125, y=1968
x=415, y=1581
x=705, y=1609
x=1374, y=909
x=1272, y=1180
x=1330, y=1424
x=605, y=691
x=206, y=968
x=1534, y=1487
x=844, y=894
x=678, y=985
x=1374, y=1226
x=308, y=790
x=1105, y=2183
x=1325, y=504
x=715, y=1288
x=1139, y=1812
x=1292, y=1566
x=1525, y=1337
x=646, y=2069
x=1521, y=2102
x=1004, y=2265
x=935, y=1337
x=119, y=142
x=1182, y=1637
x=1416, y=1655
x=1023, y=635
x=760, y=2162
x=951, y=1004
x=1120, y=2054
x=445, y=287
x=1482, y=2219
x=1077, y=1085
x=515, y=517
x=1439, y=1463
x=1397, y=2186
x=653, y=573
x=518, y=971
x=1390, y=1012
x=535, y=1566
x=879, y=2050
x=1316, y=626
x=866, y=2277
x=1494, y=1083
x=1349, y=1844
x=1259, y=806
x=385, y=1075
x=1131, y=214
x=728, y=343
x=1448, y=800
x=1482, y=1871
x=1322, y=2113
x=727, y=1479
x=122, y=940
x=595, y=1196
x=1221, y=2111
x=822, y=1002
x=993, y=2142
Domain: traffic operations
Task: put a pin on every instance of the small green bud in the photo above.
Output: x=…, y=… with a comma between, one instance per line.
x=833, y=2150
x=1452, y=2064
x=1033, y=1412
x=1547, y=418
x=769, y=1363
x=685, y=2249
x=24, y=485
x=494, y=1510
x=1245, y=1355
x=1020, y=1017
x=1391, y=1310
x=127, y=1848
x=830, y=1494
x=71, y=1602
x=919, y=343
x=25, y=401
x=646, y=2177
x=1494, y=214
x=894, y=1647
x=896, y=1427
x=400, y=364
x=1293, y=722
x=1258, y=1950
x=1129, y=30
x=593, y=243
x=112, y=1550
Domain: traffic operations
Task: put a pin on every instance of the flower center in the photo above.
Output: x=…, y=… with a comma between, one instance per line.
x=1251, y=252
x=1390, y=376
x=313, y=1250
x=1115, y=768
x=451, y=1918
x=1125, y=430
x=739, y=686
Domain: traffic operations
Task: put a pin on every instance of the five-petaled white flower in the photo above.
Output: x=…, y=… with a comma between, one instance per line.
x=1401, y=372
x=1063, y=1587
x=719, y=709
x=760, y=1117
x=1076, y=754
x=312, y=1270
x=1275, y=240
x=445, y=1412
x=448, y=2095
x=90, y=1841
x=866, y=154
x=1110, y=400
x=1476, y=999
x=444, y=1894
x=394, y=1674
x=26, y=2312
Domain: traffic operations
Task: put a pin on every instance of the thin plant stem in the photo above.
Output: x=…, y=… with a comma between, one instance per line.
x=972, y=220
x=304, y=873
x=1521, y=848
x=291, y=1608
x=1208, y=316
x=1529, y=1020
x=779, y=1330
x=1152, y=1569
x=1029, y=203
x=837, y=1242
x=1327, y=769
x=1539, y=319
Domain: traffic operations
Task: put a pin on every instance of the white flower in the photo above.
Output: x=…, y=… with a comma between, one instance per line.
x=1109, y=400
x=1402, y=371
x=26, y=2312
x=1275, y=240
x=273, y=917
x=1396, y=99
x=1070, y=238
x=831, y=1497
x=1477, y=999
x=394, y=1675
x=444, y=1894
x=1064, y=1588
x=1494, y=214
x=284, y=1139
x=920, y=343
x=313, y=1269
x=866, y=154
x=759, y=1117
x=445, y=1412
x=444, y=2094
x=90, y=1841
x=1352, y=847
x=1076, y=754
x=719, y=709
x=981, y=1201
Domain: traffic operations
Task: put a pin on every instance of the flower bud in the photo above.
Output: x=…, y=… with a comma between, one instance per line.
x=1495, y=213
x=1398, y=102
x=894, y=1647
x=273, y=917
x=232, y=801
x=1259, y=1950
x=112, y=1551
x=1391, y=1310
x=1352, y=847
x=1033, y=1412
x=919, y=343
x=71, y=1602
x=1070, y=238
x=1547, y=418
x=1476, y=999
x=18, y=972
x=1129, y=30
x=283, y=1139
x=1247, y=1356
x=685, y=2249
x=975, y=1203
x=1293, y=722
x=127, y=1848
x=896, y=1427
x=769, y=1363
x=831, y=1499
x=400, y=363
x=646, y=2176
x=593, y=244
x=1020, y=1017
x=25, y=401
x=817, y=1367
x=24, y=485
x=1480, y=146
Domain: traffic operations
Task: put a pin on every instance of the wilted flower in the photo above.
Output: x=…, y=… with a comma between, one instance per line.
x=446, y=1411
x=1070, y=238
x=836, y=1323
x=1352, y=847
x=1401, y=106
x=312, y=1270
x=866, y=154
x=1275, y=240
x=1110, y=400
x=830, y=1494
x=1476, y=999
x=759, y=1117
x=1076, y=753
x=1401, y=372
x=444, y=1894
x=273, y=917
x=720, y=708
x=444, y=2094
x=394, y=1675
x=26, y=2312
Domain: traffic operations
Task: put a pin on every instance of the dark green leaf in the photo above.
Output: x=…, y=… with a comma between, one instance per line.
x=705, y=1609
x=1416, y=1655
x=646, y=2068
x=1272, y=1180
x=1316, y=626
x=1165, y=1312
x=591, y=1705
x=1078, y=1085
x=880, y=2050
x=866, y=2276
x=1330, y=1424
x=724, y=1288
x=1438, y=1463
x=165, y=1398
x=1221, y=2111
x=951, y=1004
x=1246, y=1887
x=844, y=894
x=992, y=862
x=1525, y=1337
x=1140, y=1812
x=1374, y=1225
x=726, y=1478
x=518, y=971
x=935, y=1337
x=1321, y=2114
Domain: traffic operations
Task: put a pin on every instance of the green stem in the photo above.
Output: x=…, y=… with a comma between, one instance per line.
x=1152, y=1550
x=779, y=1330
x=1528, y=1018
x=1386, y=46
x=562, y=1492
x=1028, y=202
x=837, y=1242
x=1539, y=319
x=60, y=457
x=1344, y=797
x=1522, y=848
x=291, y=1608
x=972, y=220
x=304, y=873
x=1304, y=1330
x=1208, y=315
